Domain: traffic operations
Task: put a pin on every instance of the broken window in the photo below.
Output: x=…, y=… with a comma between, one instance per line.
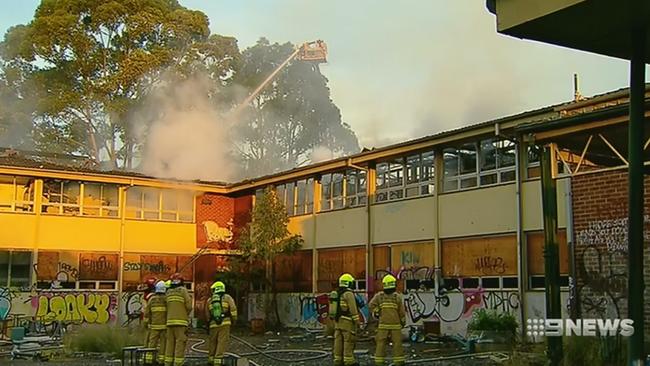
x=491, y=161
x=16, y=194
x=497, y=161
x=304, y=203
x=61, y=197
x=408, y=176
x=100, y=200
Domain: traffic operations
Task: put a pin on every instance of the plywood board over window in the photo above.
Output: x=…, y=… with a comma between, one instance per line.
x=97, y=267
x=381, y=263
x=293, y=273
x=480, y=256
x=333, y=263
x=413, y=255
x=535, y=252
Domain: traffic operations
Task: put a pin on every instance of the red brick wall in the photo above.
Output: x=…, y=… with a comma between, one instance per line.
x=226, y=212
x=600, y=229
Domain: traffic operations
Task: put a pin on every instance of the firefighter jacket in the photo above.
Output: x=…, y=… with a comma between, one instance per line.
x=348, y=313
x=155, y=313
x=389, y=308
x=179, y=306
x=228, y=308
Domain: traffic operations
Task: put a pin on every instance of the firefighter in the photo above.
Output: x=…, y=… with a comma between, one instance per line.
x=155, y=315
x=388, y=307
x=345, y=314
x=222, y=312
x=179, y=307
x=149, y=285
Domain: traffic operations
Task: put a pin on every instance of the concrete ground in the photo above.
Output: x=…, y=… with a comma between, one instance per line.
x=296, y=345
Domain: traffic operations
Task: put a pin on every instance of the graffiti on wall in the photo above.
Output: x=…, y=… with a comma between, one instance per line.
x=215, y=233
x=159, y=267
x=133, y=303
x=87, y=307
x=67, y=273
x=300, y=309
x=489, y=265
x=6, y=297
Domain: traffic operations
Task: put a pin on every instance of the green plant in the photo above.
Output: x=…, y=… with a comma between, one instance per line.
x=102, y=338
x=490, y=320
x=594, y=351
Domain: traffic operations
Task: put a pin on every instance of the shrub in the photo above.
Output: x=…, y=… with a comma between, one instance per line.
x=490, y=320
x=594, y=351
x=103, y=338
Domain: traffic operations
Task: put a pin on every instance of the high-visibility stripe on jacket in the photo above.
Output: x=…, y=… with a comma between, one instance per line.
x=229, y=309
x=179, y=306
x=156, y=312
x=390, y=308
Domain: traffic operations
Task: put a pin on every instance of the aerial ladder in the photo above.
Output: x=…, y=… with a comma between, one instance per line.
x=316, y=52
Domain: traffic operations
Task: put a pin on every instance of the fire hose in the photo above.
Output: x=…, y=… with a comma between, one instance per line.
x=268, y=354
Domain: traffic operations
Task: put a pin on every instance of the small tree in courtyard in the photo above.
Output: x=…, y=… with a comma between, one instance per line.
x=263, y=239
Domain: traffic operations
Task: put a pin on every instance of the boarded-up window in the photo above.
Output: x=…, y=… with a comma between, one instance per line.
x=535, y=252
x=412, y=256
x=94, y=266
x=334, y=262
x=293, y=273
x=481, y=256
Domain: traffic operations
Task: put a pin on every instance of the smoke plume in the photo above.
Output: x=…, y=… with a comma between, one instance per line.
x=186, y=136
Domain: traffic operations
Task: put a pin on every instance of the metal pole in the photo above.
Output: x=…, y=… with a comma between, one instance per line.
x=635, y=194
x=551, y=253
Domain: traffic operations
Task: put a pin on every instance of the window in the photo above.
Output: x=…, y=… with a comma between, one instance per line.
x=343, y=189
x=408, y=176
x=61, y=197
x=533, y=158
x=304, y=197
x=16, y=194
x=100, y=200
x=297, y=197
x=159, y=204
x=497, y=161
x=15, y=268
x=489, y=162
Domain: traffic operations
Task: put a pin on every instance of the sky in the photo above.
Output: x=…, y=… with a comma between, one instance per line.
x=401, y=70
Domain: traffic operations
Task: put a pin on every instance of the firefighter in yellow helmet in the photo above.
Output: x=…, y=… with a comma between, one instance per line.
x=345, y=314
x=388, y=307
x=222, y=312
x=179, y=307
x=155, y=315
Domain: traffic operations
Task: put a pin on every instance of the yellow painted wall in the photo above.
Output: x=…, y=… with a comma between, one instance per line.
x=531, y=193
x=406, y=220
x=478, y=211
x=78, y=233
x=159, y=237
x=341, y=228
x=17, y=230
x=303, y=225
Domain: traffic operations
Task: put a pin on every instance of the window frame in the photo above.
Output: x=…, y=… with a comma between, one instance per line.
x=393, y=191
x=8, y=281
x=15, y=202
x=330, y=202
x=141, y=211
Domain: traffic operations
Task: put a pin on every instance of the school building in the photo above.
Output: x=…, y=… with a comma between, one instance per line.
x=456, y=216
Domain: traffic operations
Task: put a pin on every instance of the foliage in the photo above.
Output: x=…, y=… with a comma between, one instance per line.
x=491, y=320
x=594, y=351
x=263, y=239
x=87, y=63
x=102, y=338
x=291, y=117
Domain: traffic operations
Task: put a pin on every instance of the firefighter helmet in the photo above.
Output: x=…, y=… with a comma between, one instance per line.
x=160, y=287
x=218, y=287
x=176, y=279
x=150, y=283
x=346, y=280
x=389, y=282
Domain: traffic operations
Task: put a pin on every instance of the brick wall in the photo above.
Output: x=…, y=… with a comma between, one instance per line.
x=600, y=229
x=217, y=213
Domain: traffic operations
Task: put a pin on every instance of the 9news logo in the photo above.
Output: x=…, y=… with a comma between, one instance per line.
x=537, y=327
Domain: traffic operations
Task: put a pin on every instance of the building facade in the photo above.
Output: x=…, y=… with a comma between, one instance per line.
x=456, y=217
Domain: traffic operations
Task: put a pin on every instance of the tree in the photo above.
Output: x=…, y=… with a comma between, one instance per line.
x=263, y=239
x=93, y=61
x=291, y=117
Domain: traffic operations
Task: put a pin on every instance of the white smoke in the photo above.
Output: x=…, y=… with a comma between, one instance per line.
x=187, y=138
x=321, y=153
